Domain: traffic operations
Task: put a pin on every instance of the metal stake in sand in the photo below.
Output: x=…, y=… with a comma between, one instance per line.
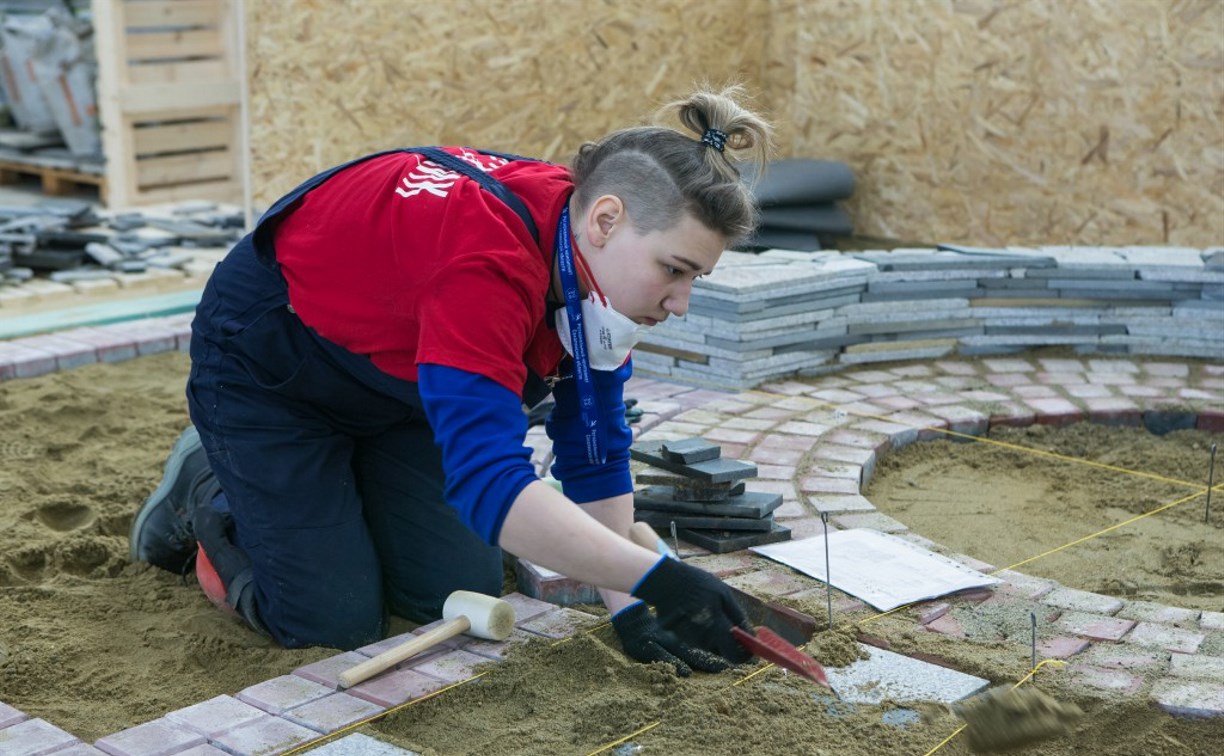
x=1210, y=483
x=675, y=539
x=1033, y=643
x=824, y=519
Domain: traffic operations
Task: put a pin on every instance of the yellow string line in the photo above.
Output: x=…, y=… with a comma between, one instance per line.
x=1015, y=447
x=628, y=737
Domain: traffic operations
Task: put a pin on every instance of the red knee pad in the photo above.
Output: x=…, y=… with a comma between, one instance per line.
x=210, y=581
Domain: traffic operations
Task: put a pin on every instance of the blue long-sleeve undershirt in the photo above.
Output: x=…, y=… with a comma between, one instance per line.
x=480, y=426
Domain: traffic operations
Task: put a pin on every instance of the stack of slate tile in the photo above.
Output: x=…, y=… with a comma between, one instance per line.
x=799, y=200
x=704, y=496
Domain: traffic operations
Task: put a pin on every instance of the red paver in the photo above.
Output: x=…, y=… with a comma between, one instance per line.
x=526, y=607
x=332, y=712
x=768, y=583
x=1062, y=647
x=1009, y=365
x=1008, y=380
x=801, y=433
x=729, y=435
x=1110, y=656
x=1012, y=414
x=946, y=625
x=818, y=484
x=544, y=584
x=386, y=644
x=775, y=472
x=1114, y=411
x=928, y=613
x=1036, y=392
x=456, y=666
x=877, y=442
x=897, y=403
x=497, y=650
x=1094, y=626
x=1076, y=600
x=1116, y=681
x=327, y=671
x=775, y=456
x=1167, y=369
x=956, y=368
x=216, y=715
x=280, y=693
x=1089, y=391
x=111, y=345
x=849, y=454
x=33, y=737
x=1210, y=420
x=26, y=362
x=559, y=623
x=1056, y=411
x=266, y=737
x=156, y=738
x=396, y=687
x=69, y=353
x=1147, y=611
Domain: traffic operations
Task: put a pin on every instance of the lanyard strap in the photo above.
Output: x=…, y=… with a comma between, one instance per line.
x=596, y=438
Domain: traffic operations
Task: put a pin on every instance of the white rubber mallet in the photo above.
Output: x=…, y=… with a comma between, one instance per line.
x=464, y=611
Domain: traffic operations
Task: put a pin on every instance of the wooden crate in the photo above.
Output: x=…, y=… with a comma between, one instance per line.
x=170, y=100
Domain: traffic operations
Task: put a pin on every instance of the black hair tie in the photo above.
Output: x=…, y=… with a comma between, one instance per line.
x=714, y=138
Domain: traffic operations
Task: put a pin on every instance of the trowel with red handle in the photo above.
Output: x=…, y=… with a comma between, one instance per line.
x=773, y=648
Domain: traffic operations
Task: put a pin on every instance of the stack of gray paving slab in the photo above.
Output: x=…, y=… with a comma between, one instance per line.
x=761, y=317
x=703, y=497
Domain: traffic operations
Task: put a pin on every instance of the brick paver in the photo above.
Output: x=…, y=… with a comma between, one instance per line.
x=34, y=737
x=1165, y=636
x=161, y=736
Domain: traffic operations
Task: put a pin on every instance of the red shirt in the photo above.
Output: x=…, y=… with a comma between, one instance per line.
x=411, y=263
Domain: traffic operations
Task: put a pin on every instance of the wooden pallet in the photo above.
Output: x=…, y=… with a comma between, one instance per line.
x=55, y=180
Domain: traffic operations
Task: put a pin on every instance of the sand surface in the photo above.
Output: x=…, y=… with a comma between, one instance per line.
x=95, y=644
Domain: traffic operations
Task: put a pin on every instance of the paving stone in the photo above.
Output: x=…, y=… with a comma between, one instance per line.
x=1197, y=667
x=931, y=611
x=775, y=472
x=1056, y=412
x=360, y=744
x=830, y=503
x=725, y=565
x=885, y=675
x=1189, y=698
x=1212, y=621
x=1094, y=626
x=770, y=583
x=11, y=716
x=332, y=712
x=386, y=644
x=216, y=715
x=873, y=520
x=1110, y=656
x=280, y=693
x=546, y=585
x=267, y=736
x=327, y=671
x=1164, y=636
x=1115, y=681
x=84, y=749
x=1088, y=390
x=1009, y=366
x=396, y=687
x=455, y=666
x=498, y=650
x=946, y=625
x=1148, y=611
x=1036, y=392
x=33, y=737
x=26, y=362
x=1024, y=586
x=1060, y=647
x=161, y=736
x=559, y=623
x=775, y=456
x=1076, y=600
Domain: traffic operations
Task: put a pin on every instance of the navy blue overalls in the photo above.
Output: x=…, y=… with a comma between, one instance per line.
x=328, y=464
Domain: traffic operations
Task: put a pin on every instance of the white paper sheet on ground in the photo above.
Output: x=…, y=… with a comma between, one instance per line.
x=876, y=568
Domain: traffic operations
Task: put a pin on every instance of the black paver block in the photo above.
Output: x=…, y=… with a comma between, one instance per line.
x=754, y=504
x=723, y=541
x=711, y=471
x=690, y=450
x=663, y=520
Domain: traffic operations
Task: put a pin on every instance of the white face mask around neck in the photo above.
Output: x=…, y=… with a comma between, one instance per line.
x=610, y=336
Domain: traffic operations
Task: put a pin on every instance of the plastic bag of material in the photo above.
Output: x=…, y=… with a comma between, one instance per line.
x=66, y=70
x=18, y=37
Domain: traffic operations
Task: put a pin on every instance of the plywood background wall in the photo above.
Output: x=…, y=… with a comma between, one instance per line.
x=334, y=79
x=973, y=121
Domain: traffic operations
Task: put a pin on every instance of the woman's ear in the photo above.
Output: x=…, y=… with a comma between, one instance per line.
x=606, y=214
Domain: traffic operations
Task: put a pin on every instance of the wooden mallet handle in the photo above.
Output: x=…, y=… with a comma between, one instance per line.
x=406, y=650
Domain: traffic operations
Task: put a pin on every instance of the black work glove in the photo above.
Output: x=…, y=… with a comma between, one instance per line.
x=696, y=607
x=643, y=639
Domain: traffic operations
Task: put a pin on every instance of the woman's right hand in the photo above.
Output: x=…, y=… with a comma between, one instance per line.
x=696, y=607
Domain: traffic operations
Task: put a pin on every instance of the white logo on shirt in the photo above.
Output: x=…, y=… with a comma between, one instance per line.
x=432, y=178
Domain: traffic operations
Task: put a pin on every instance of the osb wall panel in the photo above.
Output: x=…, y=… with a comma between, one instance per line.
x=994, y=121
x=331, y=80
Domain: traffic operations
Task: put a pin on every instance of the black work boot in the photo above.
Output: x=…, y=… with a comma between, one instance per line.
x=162, y=533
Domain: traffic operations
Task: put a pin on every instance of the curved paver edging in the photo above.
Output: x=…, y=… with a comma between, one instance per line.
x=760, y=317
x=780, y=427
